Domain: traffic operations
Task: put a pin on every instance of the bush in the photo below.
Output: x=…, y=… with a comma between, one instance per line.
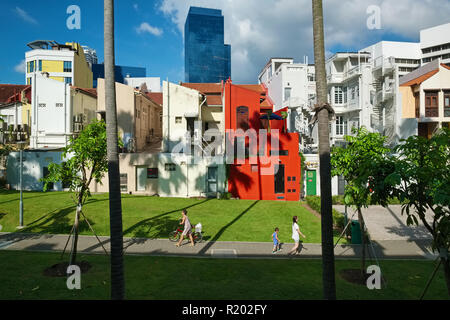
x=225, y=196
x=338, y=218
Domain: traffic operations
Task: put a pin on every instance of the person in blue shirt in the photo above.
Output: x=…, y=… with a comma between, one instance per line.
x=276, y=241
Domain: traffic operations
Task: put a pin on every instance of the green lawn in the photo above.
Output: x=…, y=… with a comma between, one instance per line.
x=206, y=278
x=154, y=217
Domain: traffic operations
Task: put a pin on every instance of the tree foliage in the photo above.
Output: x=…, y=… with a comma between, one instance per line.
x=363, y=163
x=421, y=176
x=85, y=161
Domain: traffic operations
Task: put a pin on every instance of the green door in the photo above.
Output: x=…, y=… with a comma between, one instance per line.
x=311, y=183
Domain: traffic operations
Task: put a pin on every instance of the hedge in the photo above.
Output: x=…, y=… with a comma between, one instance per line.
x=338, y=218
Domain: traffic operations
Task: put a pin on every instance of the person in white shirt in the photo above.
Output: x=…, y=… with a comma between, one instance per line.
x=295, y=235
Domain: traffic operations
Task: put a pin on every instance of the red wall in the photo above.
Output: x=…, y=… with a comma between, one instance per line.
x=248, y=180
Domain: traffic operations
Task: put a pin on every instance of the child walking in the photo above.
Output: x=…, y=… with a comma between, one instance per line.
x=276, y=241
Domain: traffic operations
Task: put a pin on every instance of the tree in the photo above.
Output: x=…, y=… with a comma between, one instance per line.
x=421, y=180
x=322, y=112
x=358, y=163
x=86, y=163
x=115, y=203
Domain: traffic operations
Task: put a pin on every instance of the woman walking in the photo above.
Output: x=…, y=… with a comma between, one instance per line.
x=296, y=235
x=187, y=228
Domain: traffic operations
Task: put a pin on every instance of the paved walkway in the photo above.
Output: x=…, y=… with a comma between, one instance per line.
x=389, y=223
x=389, y=249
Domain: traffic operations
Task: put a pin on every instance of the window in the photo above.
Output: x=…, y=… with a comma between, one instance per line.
x=59, y=105
x=446, y=103
x=311, y=77
x=242, y=118
x=123, y=182
x=67, y=66
x=169, y=167
x=254, y=168
x=280, y=152
x=345, y=94
x=42, y=105
x=212, y=179
x=287, y=93
x=40, y=65
x=431, y=104
x=68, y=80
x=341, y=126
x=338, y=95
x=178, y=119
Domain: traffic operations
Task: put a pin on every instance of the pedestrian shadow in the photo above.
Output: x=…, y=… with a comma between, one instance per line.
x=222, y=230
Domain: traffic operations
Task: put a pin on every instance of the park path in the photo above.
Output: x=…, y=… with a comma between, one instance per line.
x=387, y=249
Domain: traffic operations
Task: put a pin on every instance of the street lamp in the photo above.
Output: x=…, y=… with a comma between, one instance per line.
x=21, y=147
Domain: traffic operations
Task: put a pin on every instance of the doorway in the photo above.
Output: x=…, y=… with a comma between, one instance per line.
x=279, y=178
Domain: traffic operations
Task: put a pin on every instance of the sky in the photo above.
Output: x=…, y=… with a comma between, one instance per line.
x=149, y=33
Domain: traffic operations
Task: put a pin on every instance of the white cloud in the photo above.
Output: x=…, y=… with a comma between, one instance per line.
x=145, y=27
x=25, y=16
x=20, y=67
x=260, y=29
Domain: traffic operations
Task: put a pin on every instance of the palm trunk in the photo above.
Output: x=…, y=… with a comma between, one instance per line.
x=115, y=205
x=328, y=270
x=363, y=243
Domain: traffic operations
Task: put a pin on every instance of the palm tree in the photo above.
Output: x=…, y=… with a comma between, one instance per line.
x=328, y=278
x=115, y=204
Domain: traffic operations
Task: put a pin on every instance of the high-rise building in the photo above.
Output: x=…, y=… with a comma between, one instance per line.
x=120, y=73
x=206, y=57
x=91, y=55
x=62, y=62
x=435, y=44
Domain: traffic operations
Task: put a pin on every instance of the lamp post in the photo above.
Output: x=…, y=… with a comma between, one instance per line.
x=21, y=146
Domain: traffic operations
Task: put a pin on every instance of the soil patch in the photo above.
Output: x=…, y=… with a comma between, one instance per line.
x=60, y=269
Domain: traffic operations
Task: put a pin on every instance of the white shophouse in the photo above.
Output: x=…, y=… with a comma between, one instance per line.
x=293, y=85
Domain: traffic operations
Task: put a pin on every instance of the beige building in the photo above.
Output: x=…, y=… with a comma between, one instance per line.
x=138, y=117
x=426, y=97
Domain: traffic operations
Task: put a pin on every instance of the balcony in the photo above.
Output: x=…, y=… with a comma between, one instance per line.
x=431, y=112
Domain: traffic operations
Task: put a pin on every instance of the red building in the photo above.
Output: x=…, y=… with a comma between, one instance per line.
x=270, y=177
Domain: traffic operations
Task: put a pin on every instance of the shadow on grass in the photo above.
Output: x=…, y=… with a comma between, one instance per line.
x=43, y=194
x=222, y=230
x=152, y=228
x=59, y=221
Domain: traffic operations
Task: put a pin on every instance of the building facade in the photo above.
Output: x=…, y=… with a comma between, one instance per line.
x=435, y=44
x=150, y=84
x=120, y=73
x=207, y=58
x=62, y=62
x=58, y=111
x=426, y=97
x=293, y=85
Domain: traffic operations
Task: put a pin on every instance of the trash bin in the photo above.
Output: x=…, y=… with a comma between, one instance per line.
x=356, y=232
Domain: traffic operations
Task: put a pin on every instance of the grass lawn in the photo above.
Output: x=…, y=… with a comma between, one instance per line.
x=209, y=279
x=154, y=217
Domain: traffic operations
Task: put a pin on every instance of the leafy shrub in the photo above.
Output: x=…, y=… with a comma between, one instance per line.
x=338, y=218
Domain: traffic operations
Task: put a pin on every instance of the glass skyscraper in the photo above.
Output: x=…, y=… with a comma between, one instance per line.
x=206, y=57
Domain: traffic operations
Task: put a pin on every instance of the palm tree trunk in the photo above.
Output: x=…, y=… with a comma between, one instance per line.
x=115, y=204
x=328, y=272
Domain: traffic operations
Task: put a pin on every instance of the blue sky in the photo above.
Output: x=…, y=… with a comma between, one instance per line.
x=256, y=29
x=161, y=55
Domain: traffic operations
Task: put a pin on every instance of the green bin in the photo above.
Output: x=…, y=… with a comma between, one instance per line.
x=356, y=232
